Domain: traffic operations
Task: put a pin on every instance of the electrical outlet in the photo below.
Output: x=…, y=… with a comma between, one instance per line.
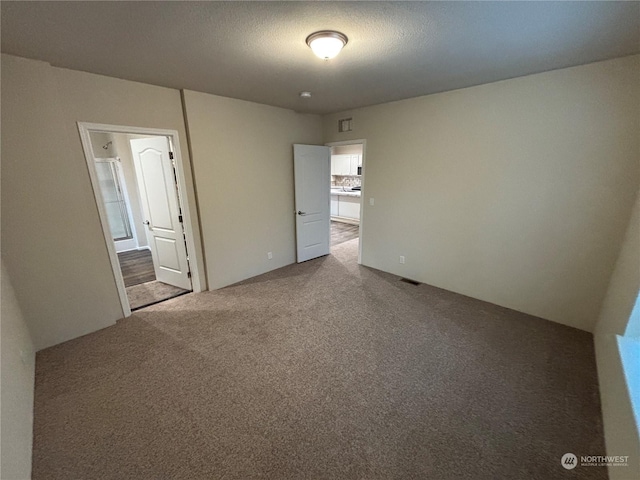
x=269, y=255
x=371, y=201
x=402, y=259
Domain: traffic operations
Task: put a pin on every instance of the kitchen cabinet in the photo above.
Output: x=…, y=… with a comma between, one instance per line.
x=349, y=207
x=345, y=164
x=345, y=205
x=354, y=163
x=340, y=164
x=334, y=205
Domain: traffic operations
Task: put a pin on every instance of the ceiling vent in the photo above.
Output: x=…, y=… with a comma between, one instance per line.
x=345, y=125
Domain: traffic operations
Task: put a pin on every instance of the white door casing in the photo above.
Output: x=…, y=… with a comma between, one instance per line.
x=312, y=173
x=161, y=209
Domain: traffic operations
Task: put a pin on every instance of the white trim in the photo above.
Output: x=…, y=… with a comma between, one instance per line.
x=134, y=248
x=362, y=142
x=125, y=245
x=190, y=225
x=111, y=248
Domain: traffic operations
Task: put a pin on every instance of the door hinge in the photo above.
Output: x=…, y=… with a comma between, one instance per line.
x=170, y=155
x=188, y=274
x=180, y=218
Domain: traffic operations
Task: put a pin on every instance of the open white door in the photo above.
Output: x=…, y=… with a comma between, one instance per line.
x=163, y=218
x=312, y=173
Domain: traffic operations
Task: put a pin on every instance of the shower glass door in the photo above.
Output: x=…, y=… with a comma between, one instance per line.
x=113, y=197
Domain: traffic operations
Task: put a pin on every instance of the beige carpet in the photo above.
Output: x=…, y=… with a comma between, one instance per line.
x=323, y=370
x=151, y=292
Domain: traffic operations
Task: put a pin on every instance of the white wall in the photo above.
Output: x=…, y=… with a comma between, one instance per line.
x=624, y=284
x=102, y=145
x=52, y=241
x=516, y=192
x=16, y=402
x=243, y=163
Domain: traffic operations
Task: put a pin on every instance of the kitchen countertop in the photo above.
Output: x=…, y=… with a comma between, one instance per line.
x=342, y=193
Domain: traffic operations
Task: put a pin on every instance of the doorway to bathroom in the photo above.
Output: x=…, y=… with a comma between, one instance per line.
x=136, y=182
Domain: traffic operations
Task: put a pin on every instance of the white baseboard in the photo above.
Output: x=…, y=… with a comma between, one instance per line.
x=134, y=249
x=125, y=245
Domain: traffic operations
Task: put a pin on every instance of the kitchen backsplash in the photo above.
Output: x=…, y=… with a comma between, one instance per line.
x=345, y=181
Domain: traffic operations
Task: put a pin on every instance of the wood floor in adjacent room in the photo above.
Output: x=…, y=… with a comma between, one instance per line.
x=320, y=370
x=140, y=280
x=343, y=232
x=136, y=267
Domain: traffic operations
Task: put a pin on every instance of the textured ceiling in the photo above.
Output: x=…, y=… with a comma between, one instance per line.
x=256, y=50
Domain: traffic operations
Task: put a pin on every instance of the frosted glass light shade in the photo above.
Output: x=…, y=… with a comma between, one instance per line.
x=326, y=44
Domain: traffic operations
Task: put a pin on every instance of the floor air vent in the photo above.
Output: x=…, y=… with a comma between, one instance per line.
x=407, y=280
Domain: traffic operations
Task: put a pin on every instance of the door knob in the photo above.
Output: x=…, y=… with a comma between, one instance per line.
x=301, y=213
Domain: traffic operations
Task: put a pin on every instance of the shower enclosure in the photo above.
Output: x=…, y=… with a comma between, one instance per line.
x=114, y=195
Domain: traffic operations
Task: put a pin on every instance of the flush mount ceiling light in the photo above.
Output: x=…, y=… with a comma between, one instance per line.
x=327, y=43
x=305, y=94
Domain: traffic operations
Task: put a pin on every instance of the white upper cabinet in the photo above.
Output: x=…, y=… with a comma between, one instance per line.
x=340, y=164
x=345, y=164
x=354, y=163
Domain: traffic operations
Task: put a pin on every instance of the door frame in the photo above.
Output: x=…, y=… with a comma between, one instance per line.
x=362, y=142
x=191, y=225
